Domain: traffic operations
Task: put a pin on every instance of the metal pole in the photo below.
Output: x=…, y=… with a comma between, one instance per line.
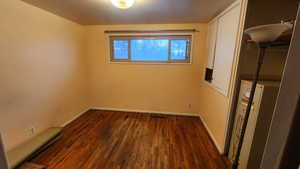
x=262, y=49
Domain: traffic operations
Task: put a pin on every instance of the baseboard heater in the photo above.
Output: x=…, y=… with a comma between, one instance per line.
x=31, y=148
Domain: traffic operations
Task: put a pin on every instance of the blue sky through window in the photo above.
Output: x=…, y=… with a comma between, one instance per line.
x=178, y=49
x=120, y=49
x=149, y=49
x=161, y=49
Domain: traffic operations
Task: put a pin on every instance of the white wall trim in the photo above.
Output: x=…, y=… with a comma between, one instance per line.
x=75, y=117
x=145, y=111
x=221, y=151
x=108, y=47
x=231, y=91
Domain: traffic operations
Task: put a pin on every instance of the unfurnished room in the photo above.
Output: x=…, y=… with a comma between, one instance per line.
x=149, y=84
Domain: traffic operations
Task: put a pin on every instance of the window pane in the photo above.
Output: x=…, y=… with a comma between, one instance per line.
x=179, y=49
x=120, y=49
x=149, y=49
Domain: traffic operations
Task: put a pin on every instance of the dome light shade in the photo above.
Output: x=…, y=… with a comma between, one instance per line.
x=267, y=33
x=123, y=4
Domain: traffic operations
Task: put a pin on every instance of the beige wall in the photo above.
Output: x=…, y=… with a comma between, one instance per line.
x=53, y=69
x=214, y=112
x=161, y=88
x=42, y=70
x=44, y=75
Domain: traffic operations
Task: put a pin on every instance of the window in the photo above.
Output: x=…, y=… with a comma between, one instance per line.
x=157, y=49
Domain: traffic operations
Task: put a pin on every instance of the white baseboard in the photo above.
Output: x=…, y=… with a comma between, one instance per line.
x=75, y=117
x=145, y=111
x=212, y=136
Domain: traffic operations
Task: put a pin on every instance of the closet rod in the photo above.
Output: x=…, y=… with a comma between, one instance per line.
x=151, y=31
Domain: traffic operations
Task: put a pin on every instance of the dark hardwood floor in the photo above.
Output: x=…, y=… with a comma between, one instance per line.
x=120, y=140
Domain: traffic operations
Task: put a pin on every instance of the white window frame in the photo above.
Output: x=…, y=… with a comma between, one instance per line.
x=110, y=48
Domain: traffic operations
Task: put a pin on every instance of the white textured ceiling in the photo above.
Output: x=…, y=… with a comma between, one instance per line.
x=102, y=12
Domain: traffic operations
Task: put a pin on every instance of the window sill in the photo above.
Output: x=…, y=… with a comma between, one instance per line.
x=149, y=63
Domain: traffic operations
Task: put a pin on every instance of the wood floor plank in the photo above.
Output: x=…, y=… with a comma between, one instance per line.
x=123, y=140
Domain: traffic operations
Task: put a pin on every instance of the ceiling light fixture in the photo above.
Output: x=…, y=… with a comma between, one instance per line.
x=123, y=4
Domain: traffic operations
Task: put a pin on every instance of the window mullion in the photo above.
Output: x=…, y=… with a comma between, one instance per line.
x=188, y=48
x=169, y=51
x=112, y=52
x=129, y=50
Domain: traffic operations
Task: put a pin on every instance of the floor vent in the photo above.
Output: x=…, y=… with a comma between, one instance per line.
x=158, y=116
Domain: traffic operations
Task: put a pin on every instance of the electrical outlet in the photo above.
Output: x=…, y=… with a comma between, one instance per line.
x=31, y=131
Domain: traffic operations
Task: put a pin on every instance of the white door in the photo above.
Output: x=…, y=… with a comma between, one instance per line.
x=225, y=48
